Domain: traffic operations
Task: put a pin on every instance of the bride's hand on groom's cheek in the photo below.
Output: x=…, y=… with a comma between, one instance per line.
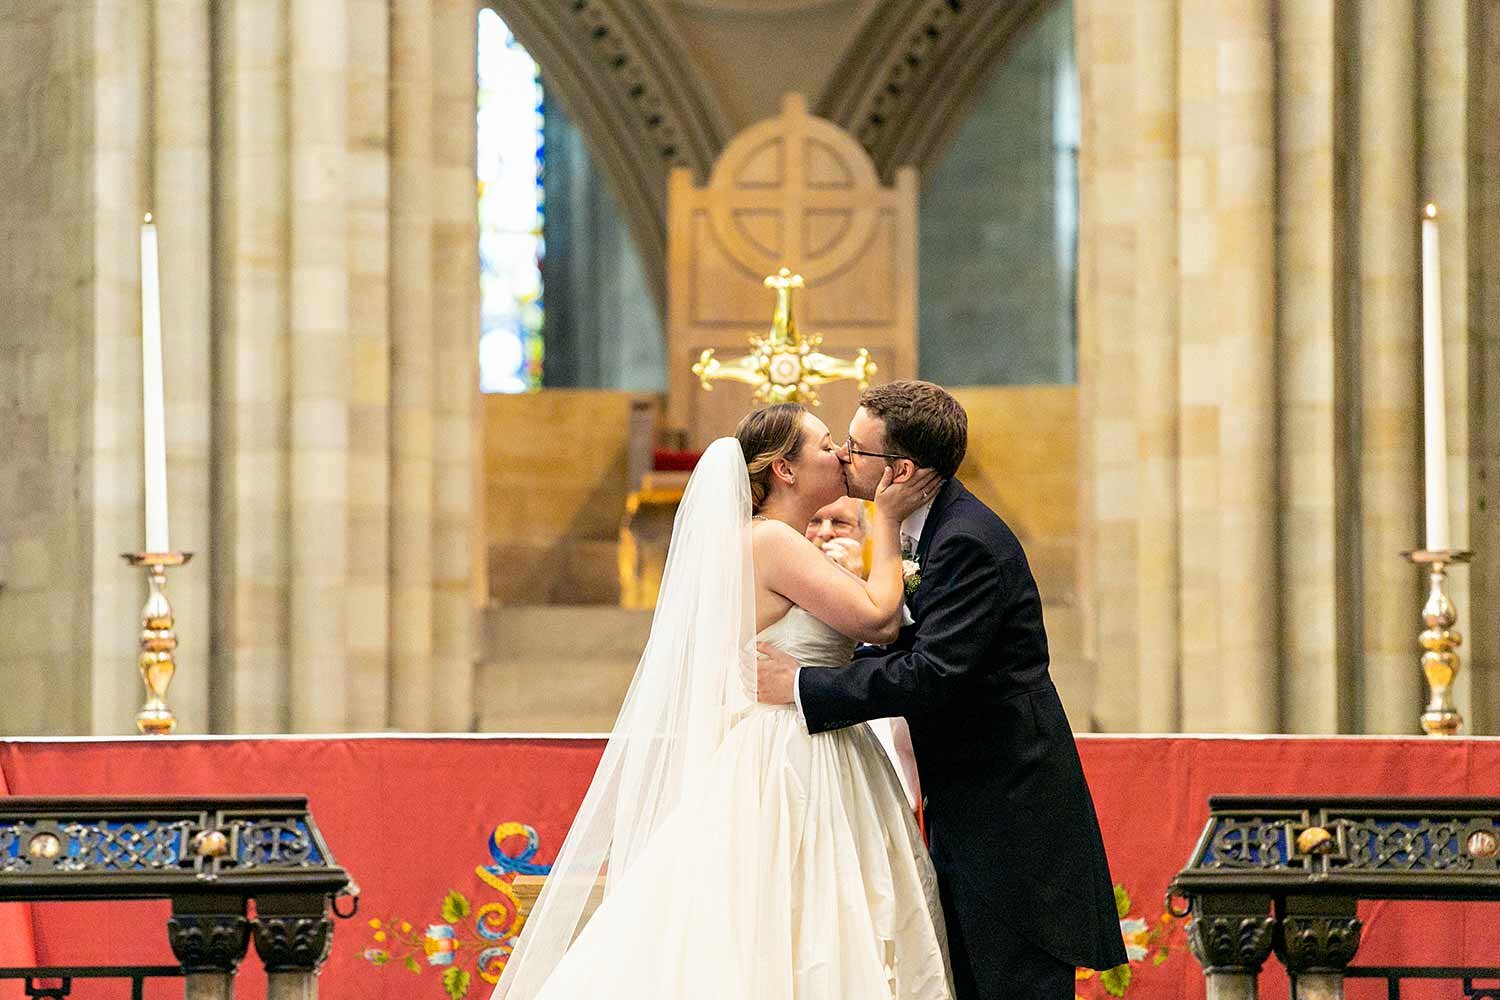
x=901, y=499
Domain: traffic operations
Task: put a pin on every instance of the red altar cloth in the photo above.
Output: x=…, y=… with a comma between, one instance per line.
x=415, y=821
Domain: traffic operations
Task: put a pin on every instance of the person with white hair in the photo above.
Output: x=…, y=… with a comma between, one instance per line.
x=839, y=529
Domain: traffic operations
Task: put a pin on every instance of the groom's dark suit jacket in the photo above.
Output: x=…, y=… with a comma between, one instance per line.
x=1012, y=825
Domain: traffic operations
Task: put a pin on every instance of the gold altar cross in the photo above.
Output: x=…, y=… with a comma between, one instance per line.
x=784, y=367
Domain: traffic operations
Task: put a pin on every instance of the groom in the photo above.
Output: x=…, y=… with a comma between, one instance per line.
x=1021, y=868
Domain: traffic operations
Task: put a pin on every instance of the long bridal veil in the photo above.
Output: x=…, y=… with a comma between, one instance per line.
x=696, y=675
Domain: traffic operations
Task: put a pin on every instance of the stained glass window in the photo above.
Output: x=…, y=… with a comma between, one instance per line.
x=510, y=211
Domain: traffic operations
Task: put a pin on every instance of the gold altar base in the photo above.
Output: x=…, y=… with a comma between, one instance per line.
x=1439, y=640
x=157, y=661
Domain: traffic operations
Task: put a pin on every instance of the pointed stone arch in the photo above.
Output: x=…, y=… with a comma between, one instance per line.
x=910, y=75
x=627, y=80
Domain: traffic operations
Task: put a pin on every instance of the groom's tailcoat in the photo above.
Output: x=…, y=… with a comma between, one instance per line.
x=1013, y=830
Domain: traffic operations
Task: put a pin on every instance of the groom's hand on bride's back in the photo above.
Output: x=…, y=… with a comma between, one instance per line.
x=776, y=679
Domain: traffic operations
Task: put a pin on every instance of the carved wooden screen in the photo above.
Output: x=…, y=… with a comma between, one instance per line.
x=800, y=192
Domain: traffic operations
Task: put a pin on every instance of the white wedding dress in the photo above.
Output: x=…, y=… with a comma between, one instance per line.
x=817, y=829
x=742, y=858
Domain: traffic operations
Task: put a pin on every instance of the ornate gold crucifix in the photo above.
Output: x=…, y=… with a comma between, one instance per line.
x=783, y=366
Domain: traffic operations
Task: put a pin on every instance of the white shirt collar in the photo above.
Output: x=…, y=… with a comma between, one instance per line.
x=916, y=521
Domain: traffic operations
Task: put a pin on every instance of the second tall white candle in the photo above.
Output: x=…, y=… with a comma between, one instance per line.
x=155, y=407
x=1435, y=421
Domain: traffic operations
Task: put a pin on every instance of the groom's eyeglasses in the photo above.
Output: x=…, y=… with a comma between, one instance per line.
x=850, y=447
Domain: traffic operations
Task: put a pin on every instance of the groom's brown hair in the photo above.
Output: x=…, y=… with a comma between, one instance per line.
x=922, y=421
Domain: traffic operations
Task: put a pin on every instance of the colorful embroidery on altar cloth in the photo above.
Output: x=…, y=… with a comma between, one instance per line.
x=472, y=936
x=1148, y=946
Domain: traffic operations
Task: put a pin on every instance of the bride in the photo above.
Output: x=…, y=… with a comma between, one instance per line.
x=742, y=858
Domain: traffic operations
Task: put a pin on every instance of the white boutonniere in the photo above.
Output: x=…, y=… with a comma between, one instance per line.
x=911, y=571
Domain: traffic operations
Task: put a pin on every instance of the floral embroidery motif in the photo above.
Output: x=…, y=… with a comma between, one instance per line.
x=1147, y=947
x=468, y=939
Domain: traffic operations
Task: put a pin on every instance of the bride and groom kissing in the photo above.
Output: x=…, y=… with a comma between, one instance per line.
x=751, y=835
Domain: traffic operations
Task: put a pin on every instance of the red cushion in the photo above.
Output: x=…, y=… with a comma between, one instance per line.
x=668, y=460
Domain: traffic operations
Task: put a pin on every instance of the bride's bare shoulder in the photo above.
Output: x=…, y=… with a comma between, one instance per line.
x=769, y=526
x=774, y=533
x=778, y=544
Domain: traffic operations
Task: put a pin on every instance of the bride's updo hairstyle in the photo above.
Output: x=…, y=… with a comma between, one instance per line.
x=764, y=436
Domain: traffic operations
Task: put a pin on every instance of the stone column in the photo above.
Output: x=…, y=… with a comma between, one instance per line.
x=1158, y=577
x=1316, y=940
x=1445, y=170
x=293, y=936
x=1483, y=645
x=370, y=338
x=456, y=346
x=109, y=470
x=1389, y=366
x=1310, y=324
x=1088, y=337
x=412, y=365
x=1106, y=354
x=182, y=107
x=1199, y=373
x=252, y=398
x=209, y=936
x=321, y=377
x=1231, y=940
x=1297, y=160
x=48, y=282
x=1245, y=218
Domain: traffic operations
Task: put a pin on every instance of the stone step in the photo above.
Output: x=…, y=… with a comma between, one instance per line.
x=554, y=695
x=574, y=571
x=558, y=632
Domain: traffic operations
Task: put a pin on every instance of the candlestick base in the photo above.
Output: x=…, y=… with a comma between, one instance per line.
x=157, y=662
x=1440, y=640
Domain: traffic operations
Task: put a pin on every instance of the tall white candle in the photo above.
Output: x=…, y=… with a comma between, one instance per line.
x=155, y=412
x=1434, y=416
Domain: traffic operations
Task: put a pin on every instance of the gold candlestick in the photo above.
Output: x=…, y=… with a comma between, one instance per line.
x=1439, y=640
x=158, y=641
